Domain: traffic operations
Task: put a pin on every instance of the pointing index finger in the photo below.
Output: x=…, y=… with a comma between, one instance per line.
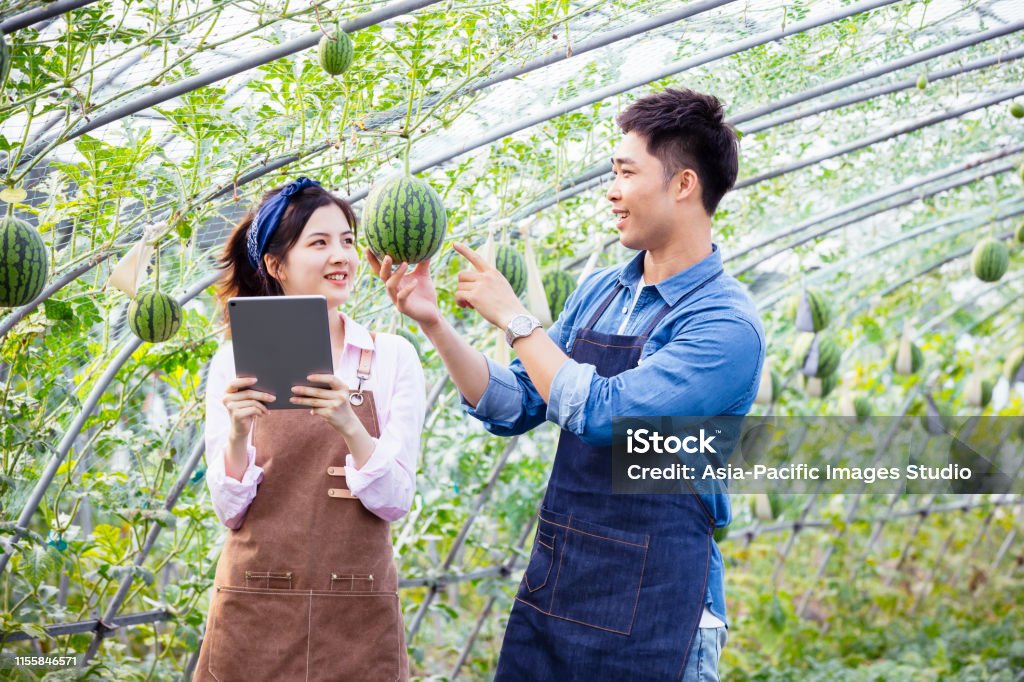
x=472, y=256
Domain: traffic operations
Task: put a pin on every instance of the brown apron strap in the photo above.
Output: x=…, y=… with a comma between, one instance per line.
x=341, y=492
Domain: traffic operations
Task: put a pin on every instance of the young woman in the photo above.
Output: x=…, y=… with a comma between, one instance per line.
x=306, y=586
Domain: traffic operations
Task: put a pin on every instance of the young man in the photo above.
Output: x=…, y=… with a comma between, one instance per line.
x=623, y=586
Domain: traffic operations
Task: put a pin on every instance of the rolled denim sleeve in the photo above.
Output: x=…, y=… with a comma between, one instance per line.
x=511, y=404
x=569, y=392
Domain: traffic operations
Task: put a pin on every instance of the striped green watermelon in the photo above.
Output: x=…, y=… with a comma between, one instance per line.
x=403, y=217
x=862, y=408
x=512, y=265
x=557, y=286
x=990, y=260
x=769, y=388
x=23, y=262
x=766, y=506
x=979, y=392
x=829, y=355
x=336, y=52
x=821, y=310
x=154, y=316
x=1013, y=362
x=820, y=387
x=916, y=359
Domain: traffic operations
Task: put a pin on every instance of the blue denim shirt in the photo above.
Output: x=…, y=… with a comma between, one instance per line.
x=703, y=359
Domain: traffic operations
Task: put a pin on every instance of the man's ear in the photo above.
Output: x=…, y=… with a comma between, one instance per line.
x=685, y=183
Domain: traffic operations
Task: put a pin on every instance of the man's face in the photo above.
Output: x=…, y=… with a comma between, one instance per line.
x=645, y=207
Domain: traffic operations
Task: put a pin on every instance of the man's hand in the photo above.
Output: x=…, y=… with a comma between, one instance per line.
x=412, y=292
x=486, y=290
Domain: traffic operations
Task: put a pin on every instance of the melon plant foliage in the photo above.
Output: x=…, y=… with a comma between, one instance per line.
x=436, y=124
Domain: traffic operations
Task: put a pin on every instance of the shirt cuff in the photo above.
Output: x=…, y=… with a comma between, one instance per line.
x=376, y=466
x=502, y=400
x=570, y=389
x=233, y=496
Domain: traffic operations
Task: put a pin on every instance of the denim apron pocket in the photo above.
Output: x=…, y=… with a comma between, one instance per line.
x=597, y=576
x=539, y=568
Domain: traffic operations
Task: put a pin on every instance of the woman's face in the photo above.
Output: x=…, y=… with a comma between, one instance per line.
x=323, y=261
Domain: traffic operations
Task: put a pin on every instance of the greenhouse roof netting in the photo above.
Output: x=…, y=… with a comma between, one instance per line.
x=881, y=146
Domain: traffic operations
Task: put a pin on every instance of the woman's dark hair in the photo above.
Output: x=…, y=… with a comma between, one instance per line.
x=239, y=278
x=686, y=129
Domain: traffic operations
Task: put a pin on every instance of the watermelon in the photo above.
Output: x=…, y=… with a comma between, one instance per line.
x=1013, y=362
x=23, y=262
x=979, y=392
x=336, y=52
x=990, y=259
x=721, y=533
x=820, y=388
x=916, y=359
x=411, y=338
x=1017, y=110
x=821, y=311
x=403, y=217
x=862, y=407
x=513, y=266
x=766, y=506
x=1020, y=233
x=557, y=286
x=829, y=355
x=769, y=388
x=154, y=316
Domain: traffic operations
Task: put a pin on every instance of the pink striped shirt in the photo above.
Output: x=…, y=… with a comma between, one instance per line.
x=386, y=483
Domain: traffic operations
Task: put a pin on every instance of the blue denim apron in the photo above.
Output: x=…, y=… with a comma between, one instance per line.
x=615, y=586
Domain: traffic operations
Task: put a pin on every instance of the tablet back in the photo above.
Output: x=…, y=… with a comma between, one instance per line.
x=280, y=340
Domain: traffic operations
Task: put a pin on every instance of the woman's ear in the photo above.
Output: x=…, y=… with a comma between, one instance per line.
x=272, y=266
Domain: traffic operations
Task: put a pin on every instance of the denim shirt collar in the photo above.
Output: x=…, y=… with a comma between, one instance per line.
x=679, y=284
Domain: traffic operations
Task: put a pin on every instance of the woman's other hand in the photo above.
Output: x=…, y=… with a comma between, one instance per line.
x=331, y=404
x=244, y=404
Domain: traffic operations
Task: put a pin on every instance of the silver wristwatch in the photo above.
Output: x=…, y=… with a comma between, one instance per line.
x=520, y=326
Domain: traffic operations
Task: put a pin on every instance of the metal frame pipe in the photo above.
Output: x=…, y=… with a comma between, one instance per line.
x=34, y=16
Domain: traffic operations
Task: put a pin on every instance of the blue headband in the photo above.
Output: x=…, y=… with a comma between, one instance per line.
x=268, y=217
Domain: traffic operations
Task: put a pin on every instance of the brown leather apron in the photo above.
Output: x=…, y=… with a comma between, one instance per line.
x=306, y=588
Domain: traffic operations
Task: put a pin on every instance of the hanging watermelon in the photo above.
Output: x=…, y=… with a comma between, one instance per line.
x=403, y=217
x=813, y=312
x=512, y=266
x=990, y=260
x=23, y=262
x=336, y=52
x=154, y=316
x=558, y=285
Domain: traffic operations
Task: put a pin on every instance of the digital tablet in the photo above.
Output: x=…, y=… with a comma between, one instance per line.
x=281, y=340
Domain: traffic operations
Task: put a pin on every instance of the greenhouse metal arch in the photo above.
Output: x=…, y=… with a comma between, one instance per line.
x=880, y=142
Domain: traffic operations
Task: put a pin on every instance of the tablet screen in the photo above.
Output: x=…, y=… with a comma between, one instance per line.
x=280, y=340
